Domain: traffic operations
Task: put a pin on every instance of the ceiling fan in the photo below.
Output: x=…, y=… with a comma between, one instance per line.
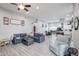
x=22, y=6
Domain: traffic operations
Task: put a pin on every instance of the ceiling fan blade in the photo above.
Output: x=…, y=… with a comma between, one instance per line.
x=14, y=4
x=26, y=9
x=27, y=5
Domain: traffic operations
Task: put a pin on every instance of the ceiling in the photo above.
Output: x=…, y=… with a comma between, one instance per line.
x=46, y=11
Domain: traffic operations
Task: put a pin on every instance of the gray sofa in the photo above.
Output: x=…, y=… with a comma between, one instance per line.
x=22, y=38
x=27, y=39
x=16, y=39
x=38, y=37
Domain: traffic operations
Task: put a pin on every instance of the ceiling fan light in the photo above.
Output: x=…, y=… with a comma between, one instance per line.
x=21, y=6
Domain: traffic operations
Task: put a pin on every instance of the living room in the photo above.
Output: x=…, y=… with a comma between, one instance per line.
x=28, y=31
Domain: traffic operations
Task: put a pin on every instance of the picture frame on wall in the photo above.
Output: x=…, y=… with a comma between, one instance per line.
x=17, y=22
x=5, y=20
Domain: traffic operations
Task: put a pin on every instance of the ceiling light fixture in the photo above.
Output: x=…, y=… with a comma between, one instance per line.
x=21, y=6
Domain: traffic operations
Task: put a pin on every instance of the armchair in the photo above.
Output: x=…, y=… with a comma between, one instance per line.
x=39, y=37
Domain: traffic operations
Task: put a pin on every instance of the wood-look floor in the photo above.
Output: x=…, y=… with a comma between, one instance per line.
x=36, y=49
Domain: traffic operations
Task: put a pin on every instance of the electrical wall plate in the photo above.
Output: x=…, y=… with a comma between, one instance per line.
x=76, y=23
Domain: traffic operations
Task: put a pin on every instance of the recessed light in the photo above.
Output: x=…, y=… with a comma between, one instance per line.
x=21, y=6
x=37, y=7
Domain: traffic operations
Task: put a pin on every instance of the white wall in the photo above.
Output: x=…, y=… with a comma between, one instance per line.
x=75, y=34
x=7, y=30
x=39, y=28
